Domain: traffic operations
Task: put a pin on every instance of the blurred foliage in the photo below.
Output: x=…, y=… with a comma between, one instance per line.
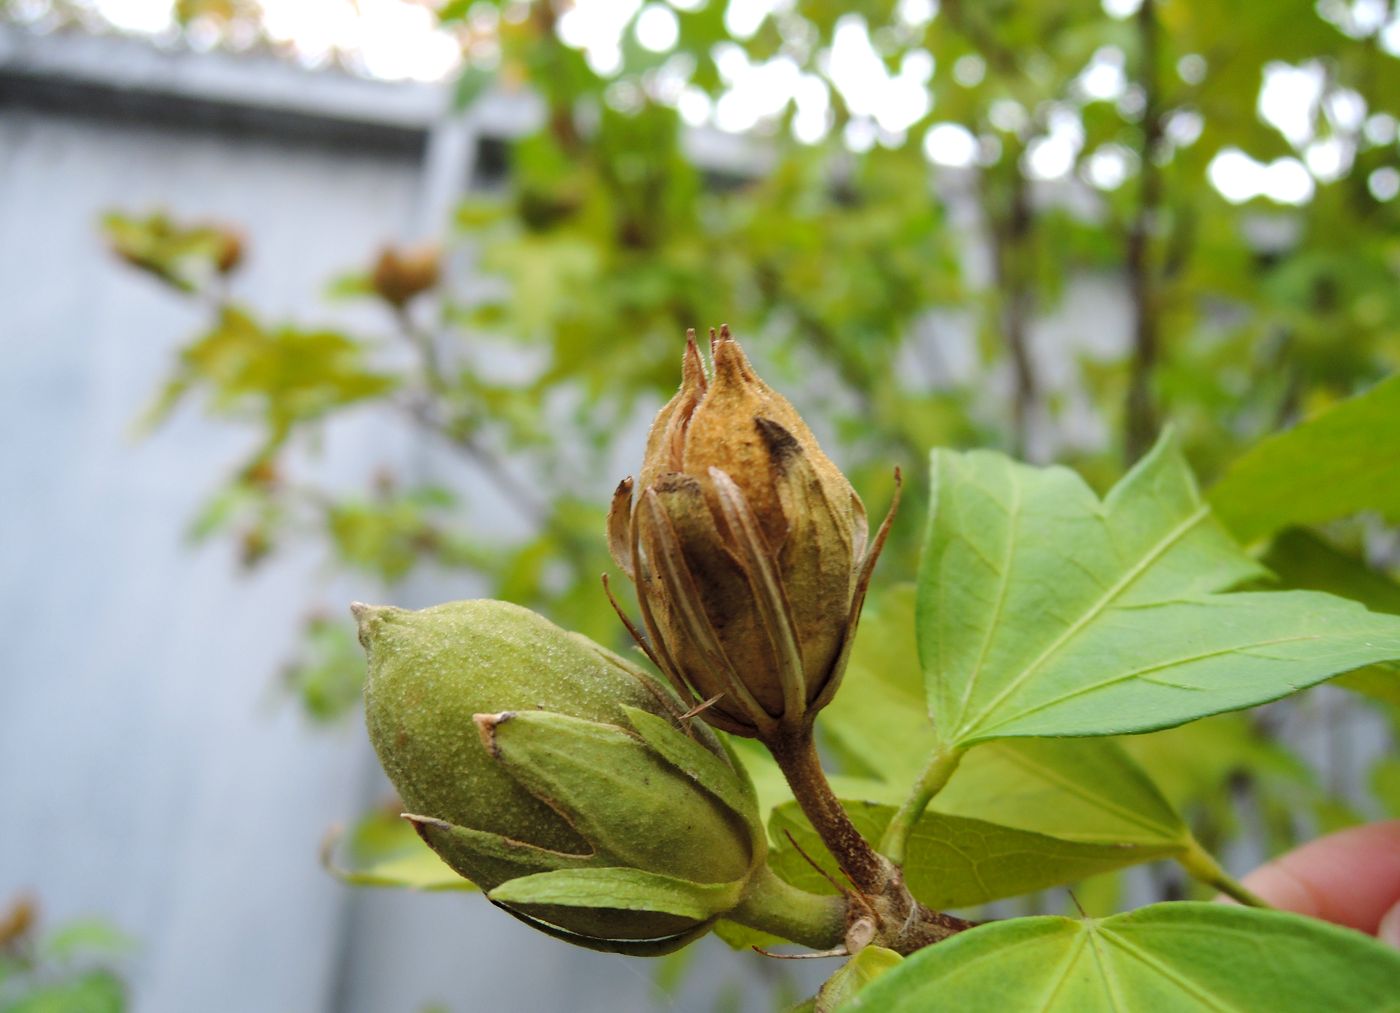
x=1035, y=252
x=65, y=970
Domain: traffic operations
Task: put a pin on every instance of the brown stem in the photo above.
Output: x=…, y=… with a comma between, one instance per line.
x=797, y=757
x=1140, y=409
x=885, y=913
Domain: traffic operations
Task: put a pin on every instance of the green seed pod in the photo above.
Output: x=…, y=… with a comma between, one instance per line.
x=557, y=776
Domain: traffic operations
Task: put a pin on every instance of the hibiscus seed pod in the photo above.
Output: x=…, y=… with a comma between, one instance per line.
x=557, y=776
x=749, y=550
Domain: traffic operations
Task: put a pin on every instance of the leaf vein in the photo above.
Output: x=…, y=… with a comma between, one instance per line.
x=1140, y=672
x=1013, y=527
x=1122, y=584
x=1168, y=972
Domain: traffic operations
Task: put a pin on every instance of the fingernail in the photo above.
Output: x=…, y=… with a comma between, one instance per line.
x=1388, y=931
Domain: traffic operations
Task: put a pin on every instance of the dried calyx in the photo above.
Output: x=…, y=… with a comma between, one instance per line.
x=751, y=557
x=749, y=550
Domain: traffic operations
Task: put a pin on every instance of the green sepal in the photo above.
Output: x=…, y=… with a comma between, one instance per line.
x=626, y=947
x=618, y=904
x=722, y=777
x=507, y=859
x=623, y=890
x=633, y=807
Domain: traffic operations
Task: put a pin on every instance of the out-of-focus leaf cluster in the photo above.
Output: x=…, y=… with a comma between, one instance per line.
x=73, y=966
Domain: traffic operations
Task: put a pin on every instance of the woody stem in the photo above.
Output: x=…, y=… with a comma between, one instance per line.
x=796, y=754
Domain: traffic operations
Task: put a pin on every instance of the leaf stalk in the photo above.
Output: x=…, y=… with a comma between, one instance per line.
x=894, y=845
x=1201, y=865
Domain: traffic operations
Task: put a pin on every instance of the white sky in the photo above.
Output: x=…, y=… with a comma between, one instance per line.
x=400, y=39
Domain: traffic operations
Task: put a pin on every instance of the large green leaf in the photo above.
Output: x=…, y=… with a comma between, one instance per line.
x=1340, y=462
x=1085, y=790
x=1074, y=789
x=1182, y=956
x=1045, y=611
x=957, y=861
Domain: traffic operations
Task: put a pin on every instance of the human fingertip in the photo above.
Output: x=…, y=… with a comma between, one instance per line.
x=1388, y=931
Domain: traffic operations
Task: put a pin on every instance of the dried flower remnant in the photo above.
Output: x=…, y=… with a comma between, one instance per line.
x=400, y=275
x=749, y=550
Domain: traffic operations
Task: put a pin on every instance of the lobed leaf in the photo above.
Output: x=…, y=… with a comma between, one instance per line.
x=1044, y=611
x=1179, y=956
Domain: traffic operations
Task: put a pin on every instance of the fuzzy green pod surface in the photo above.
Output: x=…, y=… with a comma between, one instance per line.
x=556, y=775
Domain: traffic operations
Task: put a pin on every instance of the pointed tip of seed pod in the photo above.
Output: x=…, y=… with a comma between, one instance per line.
x=692, y=367
x=623, y=488
x=486, y=725
x=368, y=618
x=731, y=365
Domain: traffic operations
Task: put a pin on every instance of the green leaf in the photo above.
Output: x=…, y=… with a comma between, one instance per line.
x=385, y=850
x=96, y=991
x=856, y=973
x=1085, y=790
x=1074, y=789
x=86, y=937
x=1301, y=559
x=882, y=696
x=1340, y=462
x=955, y=861
x=1045, y=611
x=1182, y=956
x=620, y=889
x=1194, y=765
